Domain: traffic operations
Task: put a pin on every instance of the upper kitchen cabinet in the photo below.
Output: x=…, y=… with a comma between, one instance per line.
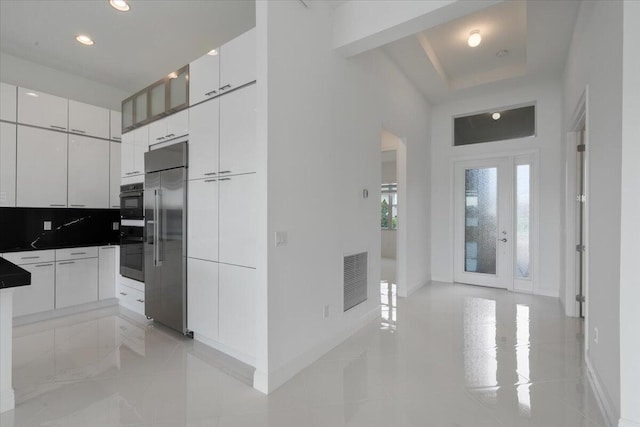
x=178, y=90
x=88, y=120
x=114, y=174
x=204, y=139
x=238, y=132
x=171, y=127
x=115, y=131
x=42, y=109
x=88, y=172
x=238, y=61
x=127, y=114
x=134, y=145
x=41, y=168
x=7, y=164
x=204, y=77
x=8, y=102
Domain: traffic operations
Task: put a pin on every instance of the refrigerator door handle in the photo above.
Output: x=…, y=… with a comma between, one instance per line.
x=156, y=229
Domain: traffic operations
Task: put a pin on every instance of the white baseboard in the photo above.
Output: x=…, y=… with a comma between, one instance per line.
x=244, y=358
x=268, y=382
x=61, y=312
x=602, y=396
x=413, y=289
x=627, y=423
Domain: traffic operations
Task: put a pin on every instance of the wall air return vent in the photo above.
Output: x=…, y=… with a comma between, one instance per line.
x=355, y=280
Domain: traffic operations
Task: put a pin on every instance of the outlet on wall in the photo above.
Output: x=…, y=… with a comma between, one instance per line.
x=325, y=312
x=596, y=336
x=46, y=226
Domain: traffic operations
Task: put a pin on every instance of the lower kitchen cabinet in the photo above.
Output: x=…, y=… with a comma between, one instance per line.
x=40, y=295
x=76, y=282
x=202, y=299
x=107, y=256
x=130, y=298
x=237, y=310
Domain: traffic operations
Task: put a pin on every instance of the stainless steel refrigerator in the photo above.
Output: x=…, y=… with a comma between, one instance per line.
x=165, y=248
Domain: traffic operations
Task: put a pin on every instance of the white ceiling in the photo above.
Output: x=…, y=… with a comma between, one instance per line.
x=442, y=66
x=132, y=49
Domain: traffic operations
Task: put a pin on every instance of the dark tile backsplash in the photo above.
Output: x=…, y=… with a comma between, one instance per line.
x=22, y=229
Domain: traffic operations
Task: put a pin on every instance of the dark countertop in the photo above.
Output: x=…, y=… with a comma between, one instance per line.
x=12, y=276
x=54, y=247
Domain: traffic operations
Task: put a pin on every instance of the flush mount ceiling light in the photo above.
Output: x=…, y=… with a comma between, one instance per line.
x=213, y=52
x=502, y=53
x=495, y=116
x=120, y=5
x=84, y=39
x=172, y=75
x=35, y=95
x=474, y=38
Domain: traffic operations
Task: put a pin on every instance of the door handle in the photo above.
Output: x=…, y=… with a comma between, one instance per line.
x=504, y=239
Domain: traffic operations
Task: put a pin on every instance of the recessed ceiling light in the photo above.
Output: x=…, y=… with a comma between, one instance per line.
x=173, y=75
x=474, y=38
x=213, y=52
x=120, y=5
x=501, y=53
x=35, y=95
x=84, y=39
x=495, y=116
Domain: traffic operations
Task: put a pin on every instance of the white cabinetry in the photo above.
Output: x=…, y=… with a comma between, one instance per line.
x=88, y=119
x=131, y=297
x=40, y=295
x=202, y=219
x=107, y=256
x=115, y=125
x=204, y=139
x=76, y=276
x=170, y=127
x=41, y=168
x=237, y=229
x=202, y=299
x=42, y=109
x=237, y=324
x=238, y=131
x=114, y=174
x=238, y=61
x=7, y=164
x=204, y=78
x=134, y=145
x=8, y=95
x=88, y=172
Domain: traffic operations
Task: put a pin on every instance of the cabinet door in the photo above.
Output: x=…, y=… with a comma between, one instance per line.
x=127, y=113
x=88, y=172
x=115, y=125
x=157, y=131
x=88, y=120
x=178, y=88
x=202, y=219
x=202, y=298
x=237, y=229
x=7, y=164
x=41, y=168
x=42, y=109
x=178, y=124
x=127, y=150
x=204, y=139
x=238, y=61
x=8, y=101
x=76, y=282
x=40, y=295
x=204, y=78
x=114, y=174
x=141, y=145
x=106, y=272
x=238, y=131
x=237, y=308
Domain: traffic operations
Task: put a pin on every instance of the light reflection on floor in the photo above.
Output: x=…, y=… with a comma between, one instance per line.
x=388, y=306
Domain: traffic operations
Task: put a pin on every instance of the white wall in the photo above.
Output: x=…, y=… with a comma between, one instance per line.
x=630, y=223
x=323, y=116
x=20, y=72
x=548, y=141
x=599, y=29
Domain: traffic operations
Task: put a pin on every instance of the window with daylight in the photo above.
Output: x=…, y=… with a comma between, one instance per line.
x=389, y=207
x=495, y=125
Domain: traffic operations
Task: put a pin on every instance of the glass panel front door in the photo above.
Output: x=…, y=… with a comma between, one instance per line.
x=481, y=220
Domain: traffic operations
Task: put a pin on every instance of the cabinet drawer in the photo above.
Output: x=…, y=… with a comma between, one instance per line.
x=30, y=257
x=76, y=282
x=130, y=298
x=76, y=253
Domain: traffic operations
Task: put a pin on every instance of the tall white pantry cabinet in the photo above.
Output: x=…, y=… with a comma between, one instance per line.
x=221, y=236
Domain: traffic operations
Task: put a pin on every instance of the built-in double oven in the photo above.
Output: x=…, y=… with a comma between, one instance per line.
x=132, y=231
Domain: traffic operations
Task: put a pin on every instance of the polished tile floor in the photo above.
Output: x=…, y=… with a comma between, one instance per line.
x=450, y=355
